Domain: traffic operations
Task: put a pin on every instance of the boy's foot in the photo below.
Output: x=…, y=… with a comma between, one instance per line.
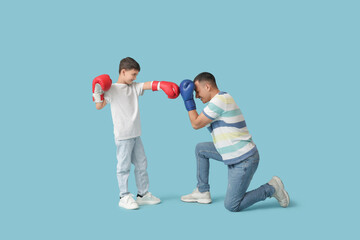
x=280, y=194
x=128, y=202
x=197, y=196
x=147, y=199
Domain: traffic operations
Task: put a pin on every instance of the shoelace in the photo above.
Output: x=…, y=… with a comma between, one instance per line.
x=129, y=198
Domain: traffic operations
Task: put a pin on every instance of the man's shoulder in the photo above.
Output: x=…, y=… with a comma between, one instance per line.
x=223, y=98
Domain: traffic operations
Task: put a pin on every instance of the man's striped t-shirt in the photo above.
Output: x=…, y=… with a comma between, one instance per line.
x=228, y=129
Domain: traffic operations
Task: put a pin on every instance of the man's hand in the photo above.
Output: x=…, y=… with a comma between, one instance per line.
x=187, y=92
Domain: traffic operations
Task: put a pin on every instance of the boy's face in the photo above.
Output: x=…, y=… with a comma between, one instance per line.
x=129, y=75
x=202, y=91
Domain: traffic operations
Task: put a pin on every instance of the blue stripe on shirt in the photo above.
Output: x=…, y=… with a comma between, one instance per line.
x=220, y=123
x=207, y=115
x=242, y=157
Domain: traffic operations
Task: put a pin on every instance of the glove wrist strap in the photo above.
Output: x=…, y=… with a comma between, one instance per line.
x=190, y=105
x=155, y=85
x=97, y=98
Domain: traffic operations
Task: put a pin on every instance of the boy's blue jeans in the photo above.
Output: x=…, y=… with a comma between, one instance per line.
x=239, y=178
x=131, y=151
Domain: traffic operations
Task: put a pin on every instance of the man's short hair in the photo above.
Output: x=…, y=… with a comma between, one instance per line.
x=128, y=63
x=206, y=77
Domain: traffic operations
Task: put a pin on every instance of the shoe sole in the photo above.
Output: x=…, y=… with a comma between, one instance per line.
x=202, y=201
x=128, y=207
x=147, y=203
x=278, y=180
x=287, y=198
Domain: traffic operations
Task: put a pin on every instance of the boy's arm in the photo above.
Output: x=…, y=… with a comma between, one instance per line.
x=170, y=88
x=100, y=85
x=198, y=121
x=100, y=105
x=147, y=86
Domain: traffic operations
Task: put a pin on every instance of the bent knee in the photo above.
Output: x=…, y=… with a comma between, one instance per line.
x=231, y=207
x=199, y=147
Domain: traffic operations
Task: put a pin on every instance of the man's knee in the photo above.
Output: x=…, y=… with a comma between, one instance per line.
x=231, y=207
x=199, y=146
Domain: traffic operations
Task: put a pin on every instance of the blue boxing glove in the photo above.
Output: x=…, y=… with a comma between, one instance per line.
x=186, y=90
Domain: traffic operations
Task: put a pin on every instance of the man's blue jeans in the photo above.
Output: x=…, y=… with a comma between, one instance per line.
x=239, y=178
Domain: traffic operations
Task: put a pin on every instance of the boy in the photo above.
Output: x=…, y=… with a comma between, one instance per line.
x=232, y=144
x=123, y=98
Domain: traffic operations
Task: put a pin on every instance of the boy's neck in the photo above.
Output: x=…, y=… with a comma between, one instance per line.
x=121, y=80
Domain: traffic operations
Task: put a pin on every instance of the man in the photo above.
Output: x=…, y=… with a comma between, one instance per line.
x=232, y=144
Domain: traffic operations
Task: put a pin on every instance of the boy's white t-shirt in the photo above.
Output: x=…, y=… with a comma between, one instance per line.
x=124, y=105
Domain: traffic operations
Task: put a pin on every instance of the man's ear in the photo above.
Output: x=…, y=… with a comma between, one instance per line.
x=207, y=87
x=122, y=72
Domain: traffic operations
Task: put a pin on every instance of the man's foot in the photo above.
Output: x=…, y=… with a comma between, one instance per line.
x=280, y=194
x=128, y=202
x=197, y=196
x=147, y=199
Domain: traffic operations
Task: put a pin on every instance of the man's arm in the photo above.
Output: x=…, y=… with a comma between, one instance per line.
x=198, y=121
x=187, y=92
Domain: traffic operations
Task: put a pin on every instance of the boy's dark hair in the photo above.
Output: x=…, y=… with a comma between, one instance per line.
x=129, y=63
x=206, y=77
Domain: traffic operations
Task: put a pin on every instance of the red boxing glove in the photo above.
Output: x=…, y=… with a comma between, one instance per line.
x=100, y=85
x=171, y=89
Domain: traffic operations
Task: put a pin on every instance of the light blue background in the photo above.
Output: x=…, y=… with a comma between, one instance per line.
x=292, y=67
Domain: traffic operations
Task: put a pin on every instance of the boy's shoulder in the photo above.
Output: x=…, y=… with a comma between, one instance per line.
x=118, y=87
x=125, y=89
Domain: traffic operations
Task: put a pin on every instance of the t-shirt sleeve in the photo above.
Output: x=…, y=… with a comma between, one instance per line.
x=215, y=108
x=139, y=88
x=107, y=96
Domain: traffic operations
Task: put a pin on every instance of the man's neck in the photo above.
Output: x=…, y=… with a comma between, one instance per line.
x=214, y=92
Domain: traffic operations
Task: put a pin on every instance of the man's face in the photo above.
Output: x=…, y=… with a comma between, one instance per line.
x=130, y=75
x=202, y=91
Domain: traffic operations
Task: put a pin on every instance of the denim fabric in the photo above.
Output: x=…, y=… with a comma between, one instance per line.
x=239, y=178
x=131, y=151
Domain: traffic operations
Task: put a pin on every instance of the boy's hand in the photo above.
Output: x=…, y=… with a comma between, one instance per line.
x=100, y=85
x=187, y=92
x=171, y=89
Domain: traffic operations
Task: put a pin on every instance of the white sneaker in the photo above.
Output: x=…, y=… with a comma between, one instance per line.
x=128, y=202
x=280, y=194
x=197, y=196
x=148, y=199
